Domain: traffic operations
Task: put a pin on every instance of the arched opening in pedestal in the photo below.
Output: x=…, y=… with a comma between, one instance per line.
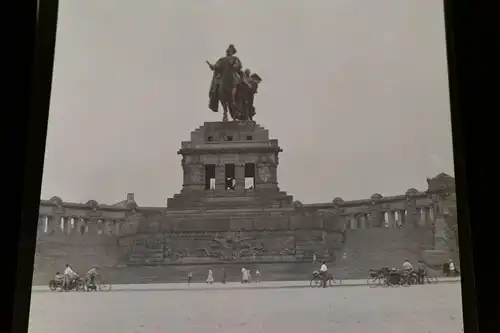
x=249, y=176
x=209, y=176
x=230, y=176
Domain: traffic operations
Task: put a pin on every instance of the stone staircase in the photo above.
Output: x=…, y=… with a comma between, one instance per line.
x=146, y=255
x=260, y=199
x=376, y=248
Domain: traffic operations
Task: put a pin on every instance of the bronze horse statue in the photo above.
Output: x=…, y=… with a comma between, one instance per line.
x=232, y=88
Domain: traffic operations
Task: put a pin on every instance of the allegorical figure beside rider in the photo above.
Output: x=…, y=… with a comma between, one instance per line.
x=232, y=87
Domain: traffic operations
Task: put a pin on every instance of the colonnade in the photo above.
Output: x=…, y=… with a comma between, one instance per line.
x=393, y=218
x=69, y=225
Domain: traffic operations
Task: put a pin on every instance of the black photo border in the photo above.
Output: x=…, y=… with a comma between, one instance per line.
x=30, y=56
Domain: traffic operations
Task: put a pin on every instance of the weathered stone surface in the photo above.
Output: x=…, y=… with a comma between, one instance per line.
x=262, y=225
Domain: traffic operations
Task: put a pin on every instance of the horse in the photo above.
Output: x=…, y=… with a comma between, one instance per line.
x=235, y=96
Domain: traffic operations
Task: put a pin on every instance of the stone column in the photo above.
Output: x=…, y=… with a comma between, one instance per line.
x=220, y=175
x=240, y=177
x=376, y=219
x=428, y=216
x=81, y=226
x=353, y=222
x=412, y=217
x=369, y=220
x=106, y=227
x=391, y=219
x=44, y=224
x=61, y=224
x=117, y=227
x=423, y=216
x=100, y=227
x=402, y=217
x=91, y=227
x=67, y=225
x=362, y=221
x=71, y=225
x=431, y=215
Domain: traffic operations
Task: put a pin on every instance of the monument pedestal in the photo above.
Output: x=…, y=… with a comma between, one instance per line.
x=230, y=209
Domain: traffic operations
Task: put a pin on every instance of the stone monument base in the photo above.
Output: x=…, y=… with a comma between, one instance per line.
x=271, y=271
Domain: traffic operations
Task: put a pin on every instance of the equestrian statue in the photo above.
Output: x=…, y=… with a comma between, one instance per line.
x=233, y=87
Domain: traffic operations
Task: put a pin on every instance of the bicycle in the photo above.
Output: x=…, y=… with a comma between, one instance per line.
x=378, y=278
x=101, y=285
x=411, y=279
x=430, y=279
x=77, y=284
x=317, y=280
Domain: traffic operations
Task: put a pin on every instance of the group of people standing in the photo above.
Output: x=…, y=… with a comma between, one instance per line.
x=421, y=269
x=449, y=268
x=246, y=276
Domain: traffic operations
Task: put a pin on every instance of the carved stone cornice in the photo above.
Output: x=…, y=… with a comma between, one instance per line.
x=229, y=150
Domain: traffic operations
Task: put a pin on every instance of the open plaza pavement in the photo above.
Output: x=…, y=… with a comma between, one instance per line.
x=288, y=307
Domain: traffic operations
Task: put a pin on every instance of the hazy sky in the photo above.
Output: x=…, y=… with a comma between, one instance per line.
x=356, y=92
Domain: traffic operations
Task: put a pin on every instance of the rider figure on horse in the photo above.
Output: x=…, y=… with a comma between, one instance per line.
x=228, y=63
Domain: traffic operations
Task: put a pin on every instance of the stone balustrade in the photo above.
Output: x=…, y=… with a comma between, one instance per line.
x=413, y=209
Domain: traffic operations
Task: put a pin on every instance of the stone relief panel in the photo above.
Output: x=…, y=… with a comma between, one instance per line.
x=224, y=246
x=189, y=247
x=264, y=174
x=196, y=175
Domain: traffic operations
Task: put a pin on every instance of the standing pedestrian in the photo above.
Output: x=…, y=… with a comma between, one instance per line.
x=210, y=278
x=451, y=268
x=190, y=277
x=421, y=271
x=323, y=272
x=223, y=281
x=257, y=275
x=446, y=268
x=243, y=275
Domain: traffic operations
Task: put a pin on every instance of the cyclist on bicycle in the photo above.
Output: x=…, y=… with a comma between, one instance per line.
x=59, y=278
x=90, y=276
x=421, y=271
x=407, y=266
x=69, y=276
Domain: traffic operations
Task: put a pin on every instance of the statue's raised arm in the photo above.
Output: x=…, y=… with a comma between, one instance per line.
x=212, y=67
